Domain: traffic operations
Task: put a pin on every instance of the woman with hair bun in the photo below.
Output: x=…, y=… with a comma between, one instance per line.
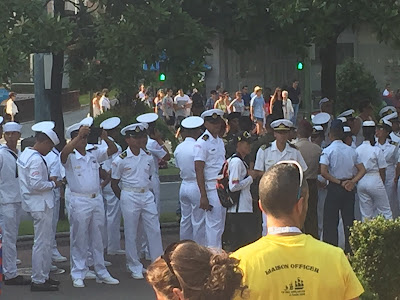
x=188, y=271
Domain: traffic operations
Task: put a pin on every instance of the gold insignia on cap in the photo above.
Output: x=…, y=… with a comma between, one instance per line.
x=281, y=126
x=388, y=112
x=380, y=122
x=246, y=134
x=214, y=115
x=137, y=129
x=239, y=138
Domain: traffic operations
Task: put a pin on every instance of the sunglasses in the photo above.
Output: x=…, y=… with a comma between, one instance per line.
x=294, y=163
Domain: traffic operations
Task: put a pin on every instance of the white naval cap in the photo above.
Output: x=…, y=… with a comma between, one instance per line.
x=317, y=129
x=368, y=124
x=110, y=123
x=392, y=116
x=39, y=127
x=147, y=118
x=347, y=113
x=192, y=122
x=322, y=101
x=71, y=129
x=88, y=121
x=213, y=113
x=1, y=120
x=12, y=127
x=52, y=136
x=321, y=118
x=387, y=110
x=343, y=119
x=346, y=129
x=281, y=125
x=134, y=129
x=383, y=122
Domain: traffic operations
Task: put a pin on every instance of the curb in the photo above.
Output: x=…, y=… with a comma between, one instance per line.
x=60, y=235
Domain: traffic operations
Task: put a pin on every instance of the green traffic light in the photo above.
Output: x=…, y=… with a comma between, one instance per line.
x=300, y=65
x=162, y=77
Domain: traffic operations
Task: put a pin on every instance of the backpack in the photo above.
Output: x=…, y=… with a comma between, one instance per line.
x=226, y=197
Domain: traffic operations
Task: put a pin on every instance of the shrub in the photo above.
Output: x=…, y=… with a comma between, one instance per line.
x=376, y=258
x=355, y=84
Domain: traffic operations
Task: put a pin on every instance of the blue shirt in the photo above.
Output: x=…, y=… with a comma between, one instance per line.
x=246, y=99
x=258, y=104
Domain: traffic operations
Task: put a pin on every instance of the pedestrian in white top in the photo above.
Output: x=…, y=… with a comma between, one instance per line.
x=182, y=105
x=131, y=172
x=209, y=156
x=237, y=105
x=370, y=189
x=86, y=206
x=391, y=153
x=105, y=103
x=192, y=225
x=11, y=107
x=240, y=220
x=38, y=200
x=287, y=107
x=10, y=203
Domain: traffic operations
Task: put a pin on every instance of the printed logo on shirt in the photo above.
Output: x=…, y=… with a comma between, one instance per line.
x=35, y=173
x=294, y=288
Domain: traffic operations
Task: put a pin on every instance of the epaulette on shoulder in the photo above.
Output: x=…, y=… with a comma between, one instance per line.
x=265, y=146
x=293, y=146
x=123, y=155
x=205, y=137
x=394, y=143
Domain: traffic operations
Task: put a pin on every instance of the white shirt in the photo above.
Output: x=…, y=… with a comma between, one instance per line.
x=182, y=100
x=54, y=163
x=106, y=165
x=238, y=106
x=184, y=159
x=156, y=151
x=133, y=171
x=239, y=182
x=105, y=102
x=394, y=137
x=82, y=172
x=141, y=95
x=11, y=107
x=385, y=93
x=212, y=151
x=9, y=183
x=33, y=175
x=390, y=152
x=371, y=157
x=287, y=107
x=269, y=156
x=340, y=159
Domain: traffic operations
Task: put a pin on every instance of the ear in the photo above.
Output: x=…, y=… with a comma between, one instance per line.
x=301, y=205
x=260, y=207
x=178, y=294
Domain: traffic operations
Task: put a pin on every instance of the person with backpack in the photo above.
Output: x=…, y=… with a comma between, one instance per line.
x=240, y=218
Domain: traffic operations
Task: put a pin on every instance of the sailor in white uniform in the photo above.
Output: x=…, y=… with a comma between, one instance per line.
x=10, y=203
x=38, y=200
x=192, y=225
x=324, y=120
x=371, y=189
x=394, y=135
x=131, y=172
x=112, y=203
x=87, y=215
x=209, y=156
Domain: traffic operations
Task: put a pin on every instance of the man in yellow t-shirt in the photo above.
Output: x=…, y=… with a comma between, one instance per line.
x=287, y=263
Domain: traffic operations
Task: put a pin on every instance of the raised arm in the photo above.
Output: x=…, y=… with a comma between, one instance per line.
x=68, y=148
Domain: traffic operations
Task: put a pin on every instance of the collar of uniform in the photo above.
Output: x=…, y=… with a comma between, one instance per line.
x=275, y=148
x=366, y=142
x=337, y=142
x=129, y=152
x=211, y=138
x=190, y=139
x=79, y=156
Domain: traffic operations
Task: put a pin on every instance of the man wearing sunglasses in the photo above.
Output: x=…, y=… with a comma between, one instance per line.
x=287, y=263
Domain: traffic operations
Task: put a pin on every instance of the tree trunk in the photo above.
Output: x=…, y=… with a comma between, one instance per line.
x=328, y=69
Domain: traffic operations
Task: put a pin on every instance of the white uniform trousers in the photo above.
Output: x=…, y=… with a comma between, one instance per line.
x=391, y=190
x=87, y=223
x=43, y=239
x=155, y=183
x=113, y=219
x=140, y=207
x=10, y=218
x=192, y=226
x=215, y=219
x=373, y=197
x=320, y=210
x=56, y=214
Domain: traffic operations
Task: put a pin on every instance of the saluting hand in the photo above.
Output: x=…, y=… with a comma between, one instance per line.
x=83, y=132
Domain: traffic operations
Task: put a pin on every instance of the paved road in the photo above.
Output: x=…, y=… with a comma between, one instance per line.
x=127, y=289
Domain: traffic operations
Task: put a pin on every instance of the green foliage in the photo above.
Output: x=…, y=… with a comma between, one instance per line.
x=376, y=258
x=354, y=85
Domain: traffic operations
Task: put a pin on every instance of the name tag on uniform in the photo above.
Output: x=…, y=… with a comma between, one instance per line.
x=77, y=167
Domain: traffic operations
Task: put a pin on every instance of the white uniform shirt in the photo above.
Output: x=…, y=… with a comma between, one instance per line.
x=9, y=183
x=395, y=137
x=82, y=172
x=33, y=175
x=133, y=171
x=371, y=157
x=54, y=163
x=212, y=151
x=390, y=152
x=106, y=165
x=269, y=156
x=156, y=151
x=340, y=159
x=239, y=182
x=184, y=159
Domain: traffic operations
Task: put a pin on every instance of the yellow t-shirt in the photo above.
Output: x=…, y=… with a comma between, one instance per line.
x=282, y=267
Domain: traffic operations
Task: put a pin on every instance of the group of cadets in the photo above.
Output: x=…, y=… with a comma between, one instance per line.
x=350, y=164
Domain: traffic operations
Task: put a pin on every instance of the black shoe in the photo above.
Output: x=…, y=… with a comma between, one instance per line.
x=43, y=287
x=19, y=280
x=53, y=281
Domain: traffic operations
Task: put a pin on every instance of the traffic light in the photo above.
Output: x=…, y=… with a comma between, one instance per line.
x=162, y=77
x=300, y=65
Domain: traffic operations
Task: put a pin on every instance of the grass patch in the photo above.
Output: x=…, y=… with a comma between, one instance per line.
x=84, y=99
x=168, y=217
x=168, y=171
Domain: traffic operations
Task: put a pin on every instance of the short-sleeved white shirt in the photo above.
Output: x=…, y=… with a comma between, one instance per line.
x=212, y=151
x=269, y=156
x=239, y=182
x=156, y=151
x=184, y=159
x=390, y=152
x=9, y=183
x=182, y=100
x=371, y=157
